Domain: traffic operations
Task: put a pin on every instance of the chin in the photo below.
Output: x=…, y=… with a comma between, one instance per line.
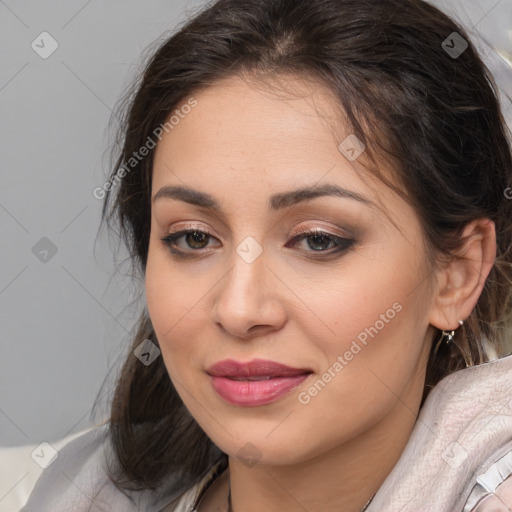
x=260, y=450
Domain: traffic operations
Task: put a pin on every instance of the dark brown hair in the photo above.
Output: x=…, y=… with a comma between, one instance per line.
x=438, y=118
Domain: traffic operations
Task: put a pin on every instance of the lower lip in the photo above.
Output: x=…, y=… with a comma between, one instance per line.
x=255, y=392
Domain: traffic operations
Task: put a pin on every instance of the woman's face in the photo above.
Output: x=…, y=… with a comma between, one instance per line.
x=346, y=306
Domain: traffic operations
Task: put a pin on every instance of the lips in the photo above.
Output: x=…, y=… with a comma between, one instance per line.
x=257, y=368
x=256, y=382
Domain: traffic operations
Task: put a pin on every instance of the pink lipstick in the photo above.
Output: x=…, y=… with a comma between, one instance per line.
x=255, y=382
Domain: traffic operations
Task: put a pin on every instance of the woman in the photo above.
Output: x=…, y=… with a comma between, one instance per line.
x=314, y=192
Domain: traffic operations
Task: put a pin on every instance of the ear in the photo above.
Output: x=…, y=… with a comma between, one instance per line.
x=461, y=281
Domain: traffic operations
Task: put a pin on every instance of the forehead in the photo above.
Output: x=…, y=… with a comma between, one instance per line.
x=247, y=138
x=244, y=144
x=272, y=129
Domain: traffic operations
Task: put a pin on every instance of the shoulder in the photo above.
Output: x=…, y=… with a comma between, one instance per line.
x=462, y=431
x=77, y=478
x=77, y=481
x=493, y=486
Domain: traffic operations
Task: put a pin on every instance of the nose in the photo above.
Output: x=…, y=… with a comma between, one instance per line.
x=247, y=303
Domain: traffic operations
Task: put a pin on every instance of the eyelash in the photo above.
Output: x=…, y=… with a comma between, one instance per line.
x=343, y=244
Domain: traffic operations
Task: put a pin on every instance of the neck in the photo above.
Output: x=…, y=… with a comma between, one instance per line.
x=341, y=478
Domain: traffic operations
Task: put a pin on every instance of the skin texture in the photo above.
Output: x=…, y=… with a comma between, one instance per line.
x=241, y=144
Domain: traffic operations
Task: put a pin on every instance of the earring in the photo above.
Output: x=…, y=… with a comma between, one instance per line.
x=448, y=335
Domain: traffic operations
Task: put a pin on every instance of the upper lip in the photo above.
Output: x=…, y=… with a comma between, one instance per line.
x=253, y=368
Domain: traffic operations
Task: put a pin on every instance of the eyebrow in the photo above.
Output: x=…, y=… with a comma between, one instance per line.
x=275, y=202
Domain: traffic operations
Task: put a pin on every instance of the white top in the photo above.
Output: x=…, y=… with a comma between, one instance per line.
x=458, y=459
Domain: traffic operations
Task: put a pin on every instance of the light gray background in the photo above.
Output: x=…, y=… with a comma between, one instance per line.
x=64, y=322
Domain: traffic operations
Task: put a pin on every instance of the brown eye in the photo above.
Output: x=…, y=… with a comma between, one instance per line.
x=194, y=240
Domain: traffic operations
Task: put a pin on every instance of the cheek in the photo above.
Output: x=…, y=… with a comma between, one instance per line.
x=176, y=306
x=366, y=299
x=373, y=324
